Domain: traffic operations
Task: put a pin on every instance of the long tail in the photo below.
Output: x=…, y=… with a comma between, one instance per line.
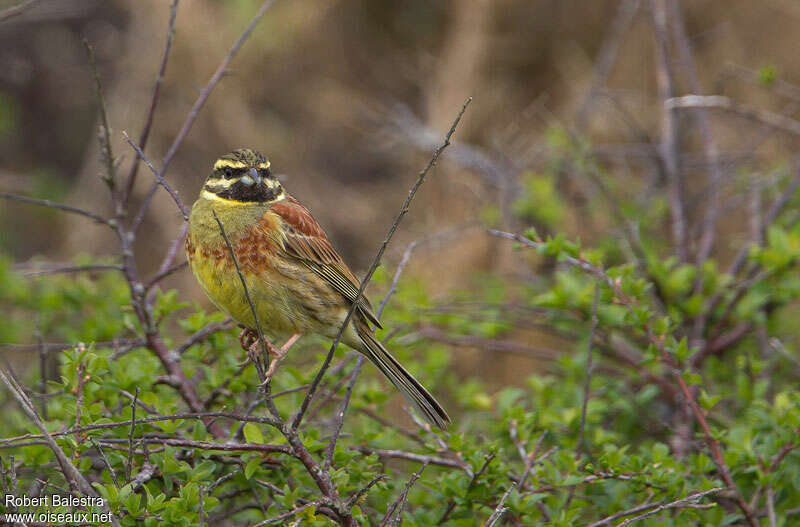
x=411, y=389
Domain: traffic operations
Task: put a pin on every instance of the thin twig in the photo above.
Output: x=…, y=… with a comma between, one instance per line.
x=165, y=273
x=146, y=420
x=261, y=339
x=410, y=456
x=131, y=181
x=71, y=269
x=203, y=333
x=198, y=105
x=59, y=206
x=400, y=503
x=11, y=12
x=340, y=415
x=363, y=490
x=42, y=365
x=500, y=510
x=290, y=514
x=105, y=138
x=474, y=479
x=105, y=460
x=710, y=147
x=355, y=302
x=607, y=56
x=159, y=178
x=407, y=257
x=691, y=498
x=399, y=271
x=668, y=361
x=587, y=385
x=201, y=445
x=129, y=466
x=76, y=480
x=670, y=149
x=775, y=120
x=634, y=510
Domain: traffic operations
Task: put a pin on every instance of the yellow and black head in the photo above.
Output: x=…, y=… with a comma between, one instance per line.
x=243, y=176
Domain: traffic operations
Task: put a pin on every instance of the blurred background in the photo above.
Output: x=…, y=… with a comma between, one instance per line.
x=348, y=99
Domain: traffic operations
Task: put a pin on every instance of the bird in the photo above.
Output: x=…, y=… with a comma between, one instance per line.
x=298, y=284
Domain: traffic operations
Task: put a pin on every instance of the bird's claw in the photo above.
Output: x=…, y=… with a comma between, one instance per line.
x=247, y=338
x=254, y=352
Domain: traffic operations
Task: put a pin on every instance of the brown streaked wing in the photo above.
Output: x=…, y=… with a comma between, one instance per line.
x=306, y=241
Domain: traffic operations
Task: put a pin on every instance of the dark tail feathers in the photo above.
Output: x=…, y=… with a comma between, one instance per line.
x=411, y=389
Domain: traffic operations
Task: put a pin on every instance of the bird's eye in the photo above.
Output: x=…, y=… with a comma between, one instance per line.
x=228, y=172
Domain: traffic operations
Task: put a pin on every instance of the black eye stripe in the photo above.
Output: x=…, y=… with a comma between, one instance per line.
x=231, y=173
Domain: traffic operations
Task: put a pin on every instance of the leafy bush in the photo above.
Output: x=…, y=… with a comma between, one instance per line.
x=671, y=398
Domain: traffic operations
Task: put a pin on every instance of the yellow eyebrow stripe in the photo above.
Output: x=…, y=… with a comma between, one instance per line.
x=223, y=163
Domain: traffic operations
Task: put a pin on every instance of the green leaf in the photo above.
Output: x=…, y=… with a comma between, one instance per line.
x=251, y=467
x=252, y=433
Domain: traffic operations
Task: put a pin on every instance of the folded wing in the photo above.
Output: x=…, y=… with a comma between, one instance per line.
x=306, y=241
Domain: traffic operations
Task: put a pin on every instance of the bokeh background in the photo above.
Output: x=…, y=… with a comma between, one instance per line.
x=348, y=99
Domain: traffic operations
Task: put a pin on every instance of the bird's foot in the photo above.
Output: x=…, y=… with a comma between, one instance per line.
x=247, y=337
x=277, y=355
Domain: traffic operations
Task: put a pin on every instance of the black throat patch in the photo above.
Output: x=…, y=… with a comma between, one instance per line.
x=238, y=191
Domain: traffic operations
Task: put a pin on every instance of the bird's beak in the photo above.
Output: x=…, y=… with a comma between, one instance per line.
x=253, y=173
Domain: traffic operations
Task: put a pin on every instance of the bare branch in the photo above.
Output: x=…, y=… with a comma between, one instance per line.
x=11, y=441
x=500, y=510
x=607, y=56
x=202, y=445
x=688, y=500
x=400, y=503
x=410, y=456
x=503, y=346
x=667, y=360
x=131, y=181
x=165, y=273
x=129, y=466
x=589, y=368
x=340, y=415
x=669, y=149
x=203, y=333
x=775, y=120
x=105, y=138
x=472, y=481
x=708, y=233
x=66, y=269
x=362, y=491
x=11, y=12
x=59, y=206
x=290, y=514
x=199, y=103
x=105, y=460
x=75, y=478
x=161, y=181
